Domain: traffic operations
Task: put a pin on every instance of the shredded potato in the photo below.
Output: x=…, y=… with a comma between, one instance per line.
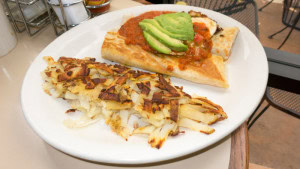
x=131, y=102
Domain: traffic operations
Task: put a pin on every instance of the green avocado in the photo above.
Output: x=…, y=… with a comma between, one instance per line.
x=172, y=43
x=172, y=35
x=177, y=23
x=155, y=44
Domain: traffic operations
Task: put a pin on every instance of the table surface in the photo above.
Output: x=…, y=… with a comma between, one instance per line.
x=22, y=148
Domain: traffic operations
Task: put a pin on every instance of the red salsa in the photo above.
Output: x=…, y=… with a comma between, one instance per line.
x=198, y=49
x=134, y=34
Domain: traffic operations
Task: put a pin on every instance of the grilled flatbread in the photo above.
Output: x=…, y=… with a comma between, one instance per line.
x=211, y=71
x=222, y=38
x=223, y=41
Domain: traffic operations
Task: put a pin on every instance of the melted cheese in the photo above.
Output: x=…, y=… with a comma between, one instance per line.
x=210, y=24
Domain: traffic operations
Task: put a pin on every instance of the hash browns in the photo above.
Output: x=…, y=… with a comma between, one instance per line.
x=130, y=101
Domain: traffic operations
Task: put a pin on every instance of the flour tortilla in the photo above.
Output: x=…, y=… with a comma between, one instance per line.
x=223, y=41
x=210, y=72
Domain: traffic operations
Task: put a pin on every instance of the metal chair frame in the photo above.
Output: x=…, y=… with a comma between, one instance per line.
x=261, y=8
x=270, y=101
x=287, y=19
x=284, y=75
x=287, y=110
x=249, y=122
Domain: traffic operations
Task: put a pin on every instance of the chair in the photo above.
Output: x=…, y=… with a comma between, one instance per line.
x=261, y=8
x=283, y=85
x=290, y=18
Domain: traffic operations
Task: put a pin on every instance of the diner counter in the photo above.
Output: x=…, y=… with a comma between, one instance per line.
x=22, y=148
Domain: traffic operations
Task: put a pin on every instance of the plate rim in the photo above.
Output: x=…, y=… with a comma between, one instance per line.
x=119, y=161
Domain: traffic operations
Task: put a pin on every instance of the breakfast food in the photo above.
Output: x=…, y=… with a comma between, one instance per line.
x=130, y=101
x=222, y=38
x=190, y=45
x=223, y=41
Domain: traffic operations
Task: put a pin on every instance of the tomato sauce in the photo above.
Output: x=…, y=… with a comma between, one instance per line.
x=198, y=49
x=134, y=34
x=201, y=29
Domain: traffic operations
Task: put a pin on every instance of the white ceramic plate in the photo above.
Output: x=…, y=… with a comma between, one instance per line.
x=247, y=74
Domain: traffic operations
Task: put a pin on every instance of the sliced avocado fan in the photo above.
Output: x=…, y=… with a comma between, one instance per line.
x=172, y=35
x=177, y=23
x=155, y=44
x=172, y=43
x=166, y=32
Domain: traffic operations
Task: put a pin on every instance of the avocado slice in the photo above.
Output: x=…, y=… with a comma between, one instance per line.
x=177, y=23
x=155, y=44
x=172, y=43
x=172, y=35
